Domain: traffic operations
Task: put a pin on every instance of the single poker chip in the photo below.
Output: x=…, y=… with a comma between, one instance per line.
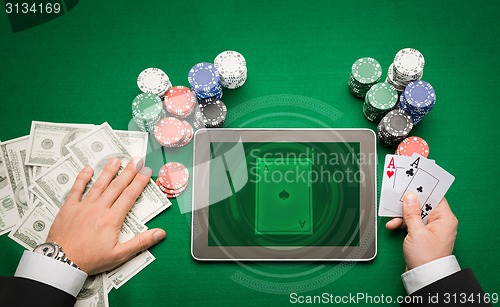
x=212, y=113
x=146, y=107
x=180, y=103
x=366, y=70
x=382, y=96
x=409, y=62
x=203, y=77
x=420, y=94
x=411, y=145
x=397, y=123
x=169, y=131
x=153, y=80
x=173, y=175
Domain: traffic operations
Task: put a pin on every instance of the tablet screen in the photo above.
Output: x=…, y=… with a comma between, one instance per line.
x=295, y=194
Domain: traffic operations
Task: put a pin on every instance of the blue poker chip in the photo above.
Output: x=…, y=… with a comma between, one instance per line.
x=420, y=94
x=203, y=77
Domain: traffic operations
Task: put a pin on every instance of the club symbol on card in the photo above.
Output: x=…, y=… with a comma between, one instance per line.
x=390, y=173
x=410, y=172
x=284, y=195
x=428, y=207
x=420, y=189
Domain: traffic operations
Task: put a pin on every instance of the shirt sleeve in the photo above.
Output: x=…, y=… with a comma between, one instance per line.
x=428, y=273
x=51, y=272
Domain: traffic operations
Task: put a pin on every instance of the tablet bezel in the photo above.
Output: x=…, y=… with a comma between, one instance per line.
x=367, y=248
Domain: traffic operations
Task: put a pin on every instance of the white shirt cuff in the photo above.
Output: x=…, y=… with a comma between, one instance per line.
x=430, y=272
x=51, y=272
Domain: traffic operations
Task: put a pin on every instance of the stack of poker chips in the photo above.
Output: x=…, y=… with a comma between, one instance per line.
x=154, y=80
x=232, y=68
x=205, y=81
x=173, y=179
x=411, y=145
x=394, y=128
x=417, y=99
x=173, y=132
x=408, y=66
x=180, y=101
x=380, y=99
x=147, y=110
x=365, y=73
x=210, y=114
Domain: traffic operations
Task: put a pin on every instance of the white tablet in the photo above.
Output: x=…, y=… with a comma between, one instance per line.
x=284, y=194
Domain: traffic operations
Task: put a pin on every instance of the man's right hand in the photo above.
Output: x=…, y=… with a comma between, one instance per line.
x=426, y=243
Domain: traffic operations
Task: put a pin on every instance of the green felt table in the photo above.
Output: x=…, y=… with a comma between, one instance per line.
x=82, y=67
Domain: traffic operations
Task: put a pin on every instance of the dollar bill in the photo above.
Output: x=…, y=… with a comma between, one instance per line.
x=93, y=293
x=33, y=228
x=55, y=184
x=8, y=210
x=16, y=173
x=97, y=147
x=9, y=216
x=47, y=141
x=136, y=142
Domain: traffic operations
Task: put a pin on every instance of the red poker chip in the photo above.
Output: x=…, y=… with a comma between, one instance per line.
x=188, y=136
x=169, y=131
x=411, y=145
x=169, y=191
x=180, y=101
x=173, y=175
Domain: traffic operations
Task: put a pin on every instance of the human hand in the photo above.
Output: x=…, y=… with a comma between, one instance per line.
x=425, y=243
x=87, y=229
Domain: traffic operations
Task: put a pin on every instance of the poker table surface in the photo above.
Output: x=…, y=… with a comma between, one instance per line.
x=81, y=67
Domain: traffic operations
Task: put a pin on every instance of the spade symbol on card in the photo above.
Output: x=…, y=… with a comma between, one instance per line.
x=302, y=223
x=410, y=172
x=420, y=189
x=266, y=169
x=284, y=195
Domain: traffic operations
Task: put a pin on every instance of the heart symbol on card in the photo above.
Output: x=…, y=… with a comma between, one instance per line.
x=390, y=173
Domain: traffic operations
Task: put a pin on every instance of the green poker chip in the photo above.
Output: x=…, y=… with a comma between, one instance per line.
x=366, y=71
x=382, y=96
x=147, y=107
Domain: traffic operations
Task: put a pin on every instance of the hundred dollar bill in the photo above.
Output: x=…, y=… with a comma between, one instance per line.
x=34, y=227
x=136, y=142
x=120, y=275
x=55, y=184
x=47, y=141
x=97, y=147
x=9, y=215
x=16, y=171
x=93, y=293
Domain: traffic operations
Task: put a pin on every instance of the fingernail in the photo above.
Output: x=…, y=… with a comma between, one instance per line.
x=138, y=163
x=146, y=171
x=114, y=162
x=159, y=235
x=410, y=199
x=87, y=169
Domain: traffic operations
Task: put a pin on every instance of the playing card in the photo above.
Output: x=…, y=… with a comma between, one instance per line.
x=394, y=180
x=283, y=197
x=429, y=182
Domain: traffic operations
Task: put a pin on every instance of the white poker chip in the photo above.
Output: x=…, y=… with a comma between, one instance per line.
x=232, y=68
x=154, y=80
